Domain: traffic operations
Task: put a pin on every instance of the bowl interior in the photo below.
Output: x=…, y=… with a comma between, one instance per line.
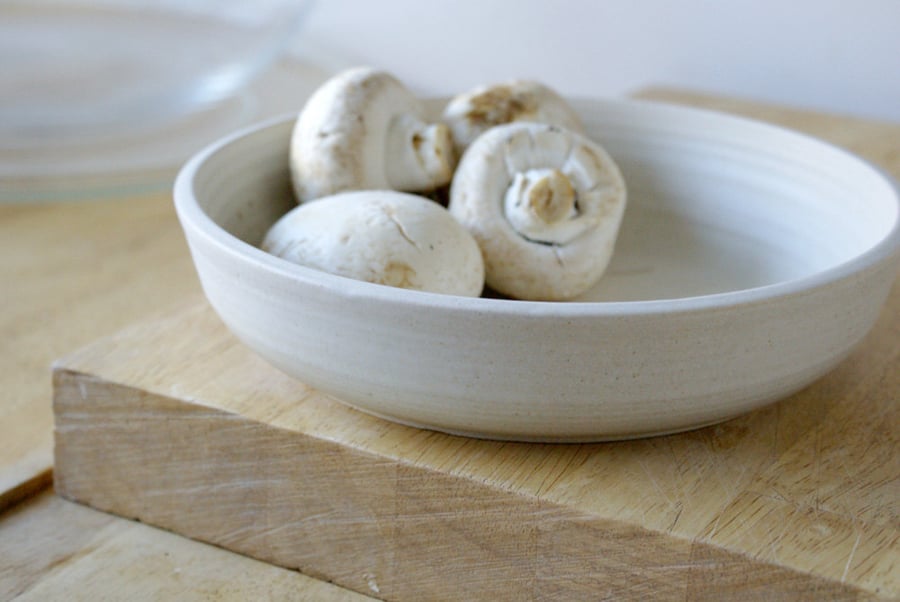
x=716, y=204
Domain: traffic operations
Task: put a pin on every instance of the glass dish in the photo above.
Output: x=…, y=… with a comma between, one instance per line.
x=73, y=71
x=108, y=97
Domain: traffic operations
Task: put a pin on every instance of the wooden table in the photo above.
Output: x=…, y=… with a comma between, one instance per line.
x=73, y=273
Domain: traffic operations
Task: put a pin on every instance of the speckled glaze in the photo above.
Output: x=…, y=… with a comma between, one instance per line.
x=750, y=261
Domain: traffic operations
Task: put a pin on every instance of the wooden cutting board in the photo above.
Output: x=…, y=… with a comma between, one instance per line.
x=175, y=423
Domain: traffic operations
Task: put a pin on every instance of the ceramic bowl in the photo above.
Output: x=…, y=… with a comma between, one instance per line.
x=751, y=260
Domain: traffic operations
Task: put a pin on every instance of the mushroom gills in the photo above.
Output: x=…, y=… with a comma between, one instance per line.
x=421, y=156
x=364, y=130
x=545, y=205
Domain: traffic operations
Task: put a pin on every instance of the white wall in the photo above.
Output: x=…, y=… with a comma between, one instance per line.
x=836, y=55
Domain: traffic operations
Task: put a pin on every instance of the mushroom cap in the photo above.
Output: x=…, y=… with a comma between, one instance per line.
x=544, y=204
x=363, y=129
x=472, y=113
x=383, y=237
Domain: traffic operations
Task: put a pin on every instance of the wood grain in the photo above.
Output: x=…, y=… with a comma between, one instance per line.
x=177, y=424
x=52, y=549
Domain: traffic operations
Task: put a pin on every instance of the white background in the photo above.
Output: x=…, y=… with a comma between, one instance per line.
x=835, y=55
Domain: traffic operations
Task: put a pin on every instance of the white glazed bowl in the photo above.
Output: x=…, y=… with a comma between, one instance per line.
x=751, y=261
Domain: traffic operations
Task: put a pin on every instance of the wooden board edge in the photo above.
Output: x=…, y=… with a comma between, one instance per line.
x=375, y=525
x=26, y=489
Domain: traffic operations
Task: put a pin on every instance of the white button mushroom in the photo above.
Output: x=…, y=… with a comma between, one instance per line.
x=364, y=130
x=544, y=204
x=472, y=113
x=384, y=237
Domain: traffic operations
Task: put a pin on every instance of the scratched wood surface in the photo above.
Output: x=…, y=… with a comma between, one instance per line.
x=75, y=272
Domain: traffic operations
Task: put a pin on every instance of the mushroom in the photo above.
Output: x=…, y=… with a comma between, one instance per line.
x=362, y=129
x=472, y=113
x=544, y=205
x=384, y=237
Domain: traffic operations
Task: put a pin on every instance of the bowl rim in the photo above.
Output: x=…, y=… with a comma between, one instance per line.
x=193, y=217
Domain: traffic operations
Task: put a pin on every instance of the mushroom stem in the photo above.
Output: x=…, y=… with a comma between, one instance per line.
x=551, y=197
x=540, y=205
x=421, y=155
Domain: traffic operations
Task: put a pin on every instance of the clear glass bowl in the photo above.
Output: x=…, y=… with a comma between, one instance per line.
x=72, y=71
